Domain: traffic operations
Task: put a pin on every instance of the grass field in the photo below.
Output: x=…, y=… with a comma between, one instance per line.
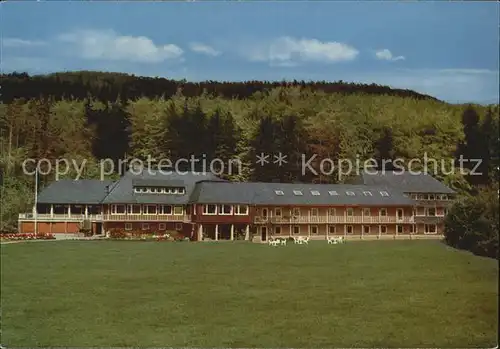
x=361, y=294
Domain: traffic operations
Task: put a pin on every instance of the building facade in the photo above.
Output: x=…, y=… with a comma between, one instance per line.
x=204, y=207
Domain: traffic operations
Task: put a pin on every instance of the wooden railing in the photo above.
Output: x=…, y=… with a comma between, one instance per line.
x=58, y=217
x=332, y=219
x=147, y=218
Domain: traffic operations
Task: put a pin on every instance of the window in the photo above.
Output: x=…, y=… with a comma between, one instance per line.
x=350, y=212
x=332, y=212
x=178, y=210
x=145, y=226
x=399, y=229
x=349, y=229
x=241, y=209
x=382, y=229
x=367, y=193
x=384, y=193
x=128, y=226
x=383, y=212
x=314, y=212
x=315, y=192
x=444, y=197
x=209, y=209
x=165, y=209
x=366, y=229
x=332, y=229
x=421, y=197
x=225, y=209
x=430, y=229
x=117, y=209
x=314, y=229
x=162, y=226
x=297, y=192
x=150, y=209
x=277, y=212
x=414, y=196
x=134, y=209
x=296, y=211
x=178, y=226
x=296, y=230
x=277, y=230
x=350, y=193
x=366, y=212
x=431, y=211
x=279, y=192
x=182, y=191
x=432, y=197
x=333, y=192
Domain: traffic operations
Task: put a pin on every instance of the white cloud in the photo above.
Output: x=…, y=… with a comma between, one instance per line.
x=106, y=44
x=286, y=50
x=16, y=42
x=386, y=55
x=203, y=49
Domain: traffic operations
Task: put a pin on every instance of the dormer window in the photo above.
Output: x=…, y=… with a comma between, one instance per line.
x=350, y=193
x=384, y=193
x=367, y=193
x=333, y=192
x=315, y=192
x=297, y=192
x=160, y=190
x=279, y=192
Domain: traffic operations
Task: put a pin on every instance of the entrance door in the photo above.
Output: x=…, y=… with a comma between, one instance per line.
x=263, y=233
x=399, y=214
x=98, y=228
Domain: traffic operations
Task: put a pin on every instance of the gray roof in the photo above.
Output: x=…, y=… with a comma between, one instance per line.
x=265, y=193
x=67, y=191
x=123, y=190
x=404, y=181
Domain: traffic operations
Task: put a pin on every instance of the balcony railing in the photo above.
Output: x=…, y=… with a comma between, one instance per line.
x=332, y=219
x=58, y=217
x=147, y=218
x=434, y=203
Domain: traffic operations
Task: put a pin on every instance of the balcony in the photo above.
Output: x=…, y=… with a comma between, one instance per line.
x=47, y=217
x=434, y=203
x=429, y=219
x=333, y=220
x=147, y=218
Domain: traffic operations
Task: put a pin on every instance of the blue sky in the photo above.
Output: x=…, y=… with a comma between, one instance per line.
x=445, y=49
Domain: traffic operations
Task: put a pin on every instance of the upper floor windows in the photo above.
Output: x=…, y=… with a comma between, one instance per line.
x=212, y=209
x=160, y=190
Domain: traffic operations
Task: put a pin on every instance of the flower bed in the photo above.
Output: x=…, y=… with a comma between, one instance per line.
x=19, y=237
x=139, y=235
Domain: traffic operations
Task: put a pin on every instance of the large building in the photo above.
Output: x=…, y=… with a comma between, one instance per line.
x=203, y=206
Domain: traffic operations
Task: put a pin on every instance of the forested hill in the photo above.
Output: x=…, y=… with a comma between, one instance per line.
x=109, y=86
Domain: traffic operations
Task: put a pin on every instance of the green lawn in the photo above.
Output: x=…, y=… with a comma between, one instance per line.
x=361, y=294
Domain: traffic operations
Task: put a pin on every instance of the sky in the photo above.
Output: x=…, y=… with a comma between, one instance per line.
x=445, y=49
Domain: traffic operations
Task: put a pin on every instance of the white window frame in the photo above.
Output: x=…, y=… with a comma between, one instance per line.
x=296, y=211
x=312, y=212
x=162, y=226
x=382, y=210
x=205, y=210
x=330, y=229
x=426, y=231
x=145, y=226
x=311, y=227
x=367, y=193
x=369, y=229
x=128, y=226
x=130, y=209
x=222, y=207
x=178, y=214
x=162, y=209
x=365, y=210
x=279, y=192
x=145, y=210
x=298, y=192
x=114, y=211
x=276, y=210
x=347, y=210
x=350, y=193
x=333, y=192
x=334, y=210
x=239, y=211
x=315, y=192
x=427, y=211
x=384, y=193
x=276, y=230
x=347, y=229
x=293, y=230
x=380, y=229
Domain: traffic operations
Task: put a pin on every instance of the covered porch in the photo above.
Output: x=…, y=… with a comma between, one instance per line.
x=221, y=232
